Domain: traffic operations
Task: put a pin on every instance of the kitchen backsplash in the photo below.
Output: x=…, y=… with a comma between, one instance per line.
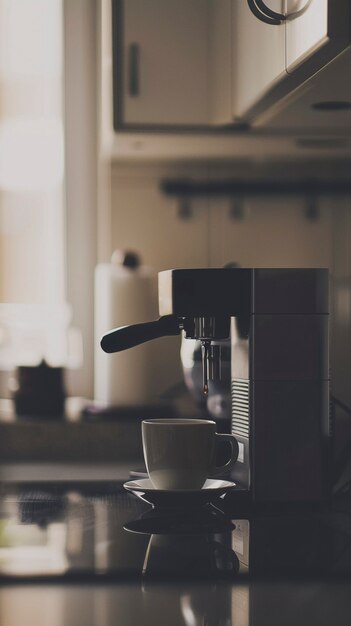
x=250, y=231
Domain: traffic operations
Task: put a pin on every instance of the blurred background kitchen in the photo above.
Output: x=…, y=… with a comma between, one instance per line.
x=194, y=133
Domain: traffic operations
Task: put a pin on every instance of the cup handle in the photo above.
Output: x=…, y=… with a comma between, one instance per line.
x=234, y=453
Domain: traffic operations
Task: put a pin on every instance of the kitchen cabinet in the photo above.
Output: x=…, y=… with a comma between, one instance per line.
x=162, y=75
x=271, y=61
x=194, y=79
x=166, y=56
x=316, y=28
x=258, y=60
x=306, y=29
x=321, y=106
x=213, y=63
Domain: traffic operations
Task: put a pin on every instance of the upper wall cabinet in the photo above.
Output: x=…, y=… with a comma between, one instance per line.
x=161, y=78
x=213, y=63
x=278, y=45
x=306, y=29
x=171, y=62
x=210, y=67
x=318, y=29
x=258, y=49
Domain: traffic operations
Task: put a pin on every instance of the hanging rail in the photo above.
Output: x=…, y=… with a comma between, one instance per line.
x=233, y=187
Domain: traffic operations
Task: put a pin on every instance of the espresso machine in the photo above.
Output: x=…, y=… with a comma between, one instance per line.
x=277, y=321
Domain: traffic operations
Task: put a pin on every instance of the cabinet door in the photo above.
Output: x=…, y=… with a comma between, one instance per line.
x=160, y=62
x=316, y=26
x=258, y=55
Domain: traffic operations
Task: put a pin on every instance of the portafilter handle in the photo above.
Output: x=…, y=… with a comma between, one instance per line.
x=126, y=337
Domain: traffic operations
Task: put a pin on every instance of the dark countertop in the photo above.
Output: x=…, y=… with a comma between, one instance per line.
x=91, y=554
x=105, y=557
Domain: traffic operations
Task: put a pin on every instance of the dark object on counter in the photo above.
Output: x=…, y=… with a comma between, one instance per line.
x=39, y=391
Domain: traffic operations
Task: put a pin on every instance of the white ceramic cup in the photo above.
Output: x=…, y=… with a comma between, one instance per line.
x=181, y=453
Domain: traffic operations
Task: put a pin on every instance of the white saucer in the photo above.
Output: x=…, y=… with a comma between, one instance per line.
x=210, y=492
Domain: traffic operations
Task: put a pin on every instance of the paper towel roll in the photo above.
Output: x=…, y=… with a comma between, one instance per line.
x=124, y=296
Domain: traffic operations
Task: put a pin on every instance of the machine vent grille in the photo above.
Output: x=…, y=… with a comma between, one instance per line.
x=240, y=408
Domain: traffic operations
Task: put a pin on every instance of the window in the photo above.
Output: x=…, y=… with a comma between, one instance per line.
x=33, y=311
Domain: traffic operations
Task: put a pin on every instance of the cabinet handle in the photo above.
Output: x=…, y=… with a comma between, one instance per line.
x=264, y=13
x=133, y=70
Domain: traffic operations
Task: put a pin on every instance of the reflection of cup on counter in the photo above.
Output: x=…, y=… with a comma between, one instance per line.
x=197, y=557
x=181, y=453
x=208, y=604
x=115, y=548
x=187, y=555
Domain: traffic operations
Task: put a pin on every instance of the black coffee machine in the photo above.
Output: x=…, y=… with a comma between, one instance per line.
x=277, y=320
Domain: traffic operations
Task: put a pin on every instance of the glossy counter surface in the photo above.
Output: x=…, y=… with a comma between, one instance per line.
x=95, y=555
